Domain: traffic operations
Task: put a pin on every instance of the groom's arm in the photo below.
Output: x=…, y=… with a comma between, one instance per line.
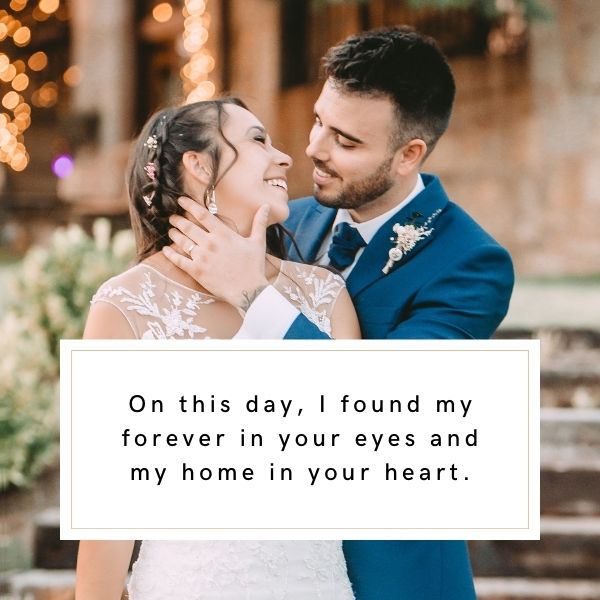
x=271, y=316
x=467, y=298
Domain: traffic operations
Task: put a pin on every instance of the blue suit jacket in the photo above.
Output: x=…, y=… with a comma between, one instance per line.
x=454, y=284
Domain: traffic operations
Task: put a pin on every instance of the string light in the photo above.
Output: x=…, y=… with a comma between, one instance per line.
x=17, y=77
x=195, y=74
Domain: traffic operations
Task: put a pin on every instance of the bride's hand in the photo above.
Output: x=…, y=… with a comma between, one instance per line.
x=228, y=265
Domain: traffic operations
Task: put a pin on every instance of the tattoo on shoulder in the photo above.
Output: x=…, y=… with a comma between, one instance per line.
x=248, y=297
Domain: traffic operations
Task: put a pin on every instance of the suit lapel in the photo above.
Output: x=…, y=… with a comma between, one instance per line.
x=369, y=266
x=311, y=230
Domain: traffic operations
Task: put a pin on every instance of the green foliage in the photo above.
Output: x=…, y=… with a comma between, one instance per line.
x=491, y=9
x=49, y=295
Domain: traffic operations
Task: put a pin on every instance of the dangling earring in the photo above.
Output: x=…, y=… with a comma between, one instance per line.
x=211, y=200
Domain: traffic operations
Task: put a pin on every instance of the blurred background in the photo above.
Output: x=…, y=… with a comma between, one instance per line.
x=78, y=78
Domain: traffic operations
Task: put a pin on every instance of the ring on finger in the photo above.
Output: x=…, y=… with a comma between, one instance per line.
x=190, y=248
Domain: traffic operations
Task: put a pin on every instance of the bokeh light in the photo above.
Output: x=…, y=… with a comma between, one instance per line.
x=12, y=26
x=39, y=15
x=4, y=62
x=162, y=12
x=8, y=74
x=22, y=36
x=10, y=100
x=38, y=61
x=19, y=161
x=72, y=76
x=20, y=82
x=63, y=165
x=18, y=5
x=46, y=96
x=49, y=6
x=195, y=35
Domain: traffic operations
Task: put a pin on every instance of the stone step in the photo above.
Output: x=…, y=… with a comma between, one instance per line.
x=513, y=588
x=570, y=365
x=570, y=376
x=554, y=338
x=570, y=461
x=573, y=492
x=570, y=386
x=49, y=551
x=569, y=548
x=564, y=428
x=40, y=584
x=59, y=585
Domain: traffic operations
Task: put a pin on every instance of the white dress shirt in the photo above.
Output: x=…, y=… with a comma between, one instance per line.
x=271, y=315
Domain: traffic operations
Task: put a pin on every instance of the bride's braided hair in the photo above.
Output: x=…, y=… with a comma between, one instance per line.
x=156, y=173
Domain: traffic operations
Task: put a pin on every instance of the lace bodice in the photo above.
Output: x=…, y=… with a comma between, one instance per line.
x=157, y=307
x=240, y=570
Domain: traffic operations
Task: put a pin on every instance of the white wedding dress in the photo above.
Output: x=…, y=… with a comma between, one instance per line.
x=157, y=307
x=240, y=570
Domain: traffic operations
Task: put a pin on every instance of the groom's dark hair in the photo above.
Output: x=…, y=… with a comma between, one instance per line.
x=403, y=65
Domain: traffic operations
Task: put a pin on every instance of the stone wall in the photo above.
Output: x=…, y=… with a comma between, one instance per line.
x=523, y=151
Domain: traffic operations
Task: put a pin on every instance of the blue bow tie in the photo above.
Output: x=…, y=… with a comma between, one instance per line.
x=345, y=243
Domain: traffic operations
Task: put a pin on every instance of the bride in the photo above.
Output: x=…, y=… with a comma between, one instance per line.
x=218, y=153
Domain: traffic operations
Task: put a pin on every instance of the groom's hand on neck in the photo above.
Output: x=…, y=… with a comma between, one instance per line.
x=228, y=265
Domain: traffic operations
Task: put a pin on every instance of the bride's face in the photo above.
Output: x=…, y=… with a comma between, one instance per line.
x=257, y=176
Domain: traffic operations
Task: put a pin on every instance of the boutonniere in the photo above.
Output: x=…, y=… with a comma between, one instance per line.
x=408, y=236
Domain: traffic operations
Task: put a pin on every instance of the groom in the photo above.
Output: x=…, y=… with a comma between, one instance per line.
x=416, y=265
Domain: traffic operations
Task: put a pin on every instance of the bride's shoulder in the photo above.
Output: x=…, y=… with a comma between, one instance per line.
x=131, y=280
x=313, y=290
x=311, y=281
x=310, y=273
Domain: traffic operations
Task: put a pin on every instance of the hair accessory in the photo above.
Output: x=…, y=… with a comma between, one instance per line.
x=150, y=169
x=211, y=200
x=148, y=199
x=151, y=142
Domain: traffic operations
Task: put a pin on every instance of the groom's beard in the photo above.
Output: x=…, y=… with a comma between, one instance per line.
x=356, y=193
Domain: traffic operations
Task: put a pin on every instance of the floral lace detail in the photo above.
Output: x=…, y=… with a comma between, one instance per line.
x=175, y=320
x=240, y=570
x=315, y=300
x=157, y=307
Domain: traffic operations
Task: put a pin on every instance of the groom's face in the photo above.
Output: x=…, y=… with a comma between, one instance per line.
x=351, y=148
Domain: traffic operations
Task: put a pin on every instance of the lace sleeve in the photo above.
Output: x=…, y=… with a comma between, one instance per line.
x=109, y=294
x=312, y=290
x=157, y=307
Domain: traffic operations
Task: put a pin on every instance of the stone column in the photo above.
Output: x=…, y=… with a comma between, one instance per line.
x=254, y=56
x=103, y=46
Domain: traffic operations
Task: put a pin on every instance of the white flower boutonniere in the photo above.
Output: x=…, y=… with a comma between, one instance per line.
x=407, y=237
